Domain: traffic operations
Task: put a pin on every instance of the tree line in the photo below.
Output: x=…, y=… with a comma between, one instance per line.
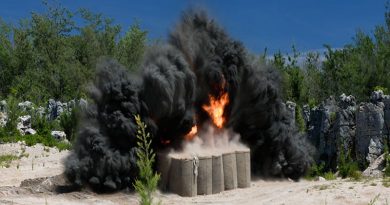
x=49, y=55
x=358, y=68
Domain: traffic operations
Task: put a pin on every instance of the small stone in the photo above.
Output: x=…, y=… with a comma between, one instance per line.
x=321, y=179
x=58, y=135
x=30, y=131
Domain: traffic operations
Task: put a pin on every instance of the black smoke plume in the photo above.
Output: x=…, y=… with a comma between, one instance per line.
x=199, y=60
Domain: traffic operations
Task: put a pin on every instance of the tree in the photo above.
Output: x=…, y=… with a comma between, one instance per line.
x=131, y=47
x=312, y=78
x=6, y=55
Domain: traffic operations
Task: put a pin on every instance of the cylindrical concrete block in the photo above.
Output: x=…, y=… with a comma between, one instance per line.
x=243, y=168
x=229, y=170
x=183, y=177
x=205, y=181
x=163, y=167
x=217, y=172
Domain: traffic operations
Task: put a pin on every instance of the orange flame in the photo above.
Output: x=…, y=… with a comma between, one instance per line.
x=191, y=135
x=216, y=108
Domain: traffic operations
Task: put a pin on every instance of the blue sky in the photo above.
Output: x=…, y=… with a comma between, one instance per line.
x=275, y=24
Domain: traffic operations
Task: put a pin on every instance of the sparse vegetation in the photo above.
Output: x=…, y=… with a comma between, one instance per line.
x=46, y=140
x=347, y=167
x=330, y=176
x=146, y=183
x=299, y=119
x=387, y=159
x=318, y=170
x=372, y=201
x=322, y=187
x=5, y=160
x=332, y=116
x=386, y=182
x=315, y=170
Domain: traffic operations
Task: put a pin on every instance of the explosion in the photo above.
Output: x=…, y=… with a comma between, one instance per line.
x=191, y=135
x=216, y=108
x=199, y=75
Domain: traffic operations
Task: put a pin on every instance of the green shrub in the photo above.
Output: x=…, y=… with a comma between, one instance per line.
x=378, y=87
x=332, y=117
x=299, y=119
x=347, y=167
x=68, y=122
x=329, y=176
x=42, y=125
x=312, y=103
x=13, y=113
x=315, y=170
x=318, y=170
x=31, y=140
x=63, y=146
x=146, y=183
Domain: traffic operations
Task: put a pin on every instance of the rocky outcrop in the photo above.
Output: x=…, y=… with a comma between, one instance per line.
x=344, y=127
x=3, y=106
x=306, y=115
x=3, y=119
x=52, y=110
x=24, y=125
x=290, y=107
x=376, y=167
x=25, y=106
x=56, y=108
x=360, y=131
x=3, y=113
x=321, y=119
x=370, y=126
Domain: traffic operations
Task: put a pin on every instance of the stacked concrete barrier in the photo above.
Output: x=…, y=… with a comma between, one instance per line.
x=217, y=172
x=205, y=181
x=183, y=176
x=243, y=168
x=163, y=166
x=229, y=170
x=191, y=175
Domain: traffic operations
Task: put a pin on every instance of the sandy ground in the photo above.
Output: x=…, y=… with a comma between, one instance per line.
x=33, y=178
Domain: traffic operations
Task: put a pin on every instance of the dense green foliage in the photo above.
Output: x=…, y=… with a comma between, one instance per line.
x=69, y=122
x=347, y=167
x=49, y=56
x=300, y=122
x=387, y=159
x=146, y=183
x=358, y=68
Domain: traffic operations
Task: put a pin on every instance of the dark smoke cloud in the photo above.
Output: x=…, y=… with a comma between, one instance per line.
x=177, y=79
x=256, y=110
x=169, y=92
x=259, y=115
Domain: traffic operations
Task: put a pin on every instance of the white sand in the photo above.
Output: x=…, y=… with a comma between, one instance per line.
x=261, y=192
